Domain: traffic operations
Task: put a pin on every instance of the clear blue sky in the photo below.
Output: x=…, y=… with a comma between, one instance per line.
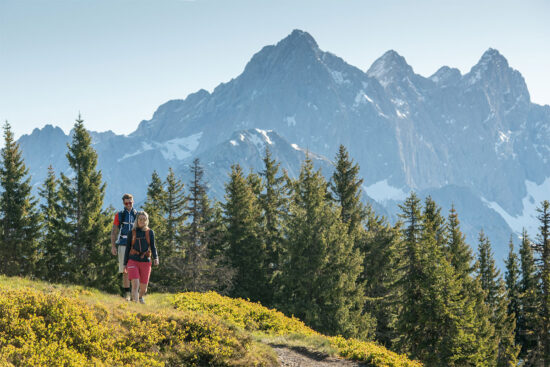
x=116, y=61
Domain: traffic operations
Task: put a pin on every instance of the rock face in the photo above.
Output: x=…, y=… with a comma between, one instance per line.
x=473, y=140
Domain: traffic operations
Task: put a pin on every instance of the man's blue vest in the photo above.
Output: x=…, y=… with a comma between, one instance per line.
x=125, y=223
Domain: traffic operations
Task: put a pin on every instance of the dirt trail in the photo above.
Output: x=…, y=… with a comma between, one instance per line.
x=301, y=357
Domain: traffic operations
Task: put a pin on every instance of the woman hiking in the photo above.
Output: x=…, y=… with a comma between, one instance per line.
x=137, y=259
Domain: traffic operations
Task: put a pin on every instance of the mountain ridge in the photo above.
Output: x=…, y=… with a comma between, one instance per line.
x=478, y=131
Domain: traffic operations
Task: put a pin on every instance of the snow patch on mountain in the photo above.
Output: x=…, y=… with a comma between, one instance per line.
x=339, y=77
x=528, y=218
x=180, y=148
x=382, y=191
x=264, y=134
x=360, y=98
x=144, y=147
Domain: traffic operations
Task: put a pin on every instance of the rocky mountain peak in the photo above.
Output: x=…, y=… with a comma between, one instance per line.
x=446, y=75
x=298, y=48
x=390, y=67
x=492, y=71
x=492, y=57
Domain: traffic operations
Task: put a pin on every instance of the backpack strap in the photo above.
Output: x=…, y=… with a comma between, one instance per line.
x=133, y=241
x=120, y=218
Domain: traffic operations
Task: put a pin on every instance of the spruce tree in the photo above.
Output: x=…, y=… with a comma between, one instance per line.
x=440, y=323
x=411, y=281
x=86, y=223
x=274, y=204
x=542, y=247
x=172, y=247
x=247, y=251
x=322, y=266
x=513, y=286
x=202, y=272
x=435, y=223
x=346, y=190
x=155, y=206
x=474, y=344
x=176, y=214
x=497, y=302
x=527, y=320
x=458, y=251
x=55, y=255
x=381, y=270
x=19, y=217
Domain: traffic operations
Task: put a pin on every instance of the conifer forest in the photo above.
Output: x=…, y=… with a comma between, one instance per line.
x=306, y=246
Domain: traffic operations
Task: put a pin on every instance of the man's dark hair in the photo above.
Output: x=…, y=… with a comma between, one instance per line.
x=127, y=196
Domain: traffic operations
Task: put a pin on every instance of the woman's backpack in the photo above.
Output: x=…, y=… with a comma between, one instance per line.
x=133, y=241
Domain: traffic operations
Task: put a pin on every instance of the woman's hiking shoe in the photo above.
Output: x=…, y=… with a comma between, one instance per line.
x=127, y=296
x=141, y=300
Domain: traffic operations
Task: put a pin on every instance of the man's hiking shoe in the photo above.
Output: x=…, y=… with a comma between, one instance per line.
x=141, y=300
x=127, y=296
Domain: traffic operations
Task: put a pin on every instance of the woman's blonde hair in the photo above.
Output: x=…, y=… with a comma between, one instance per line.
x=142, y=214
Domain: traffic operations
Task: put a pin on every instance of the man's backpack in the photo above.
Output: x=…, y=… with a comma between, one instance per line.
x=133, y=241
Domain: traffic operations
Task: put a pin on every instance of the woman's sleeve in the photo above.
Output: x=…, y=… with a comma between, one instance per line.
x=153, y=247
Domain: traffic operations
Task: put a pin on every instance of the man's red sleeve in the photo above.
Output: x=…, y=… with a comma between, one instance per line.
x=116, y=223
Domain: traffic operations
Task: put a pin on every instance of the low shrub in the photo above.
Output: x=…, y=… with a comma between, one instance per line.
x=49, y=329
x=256, y=318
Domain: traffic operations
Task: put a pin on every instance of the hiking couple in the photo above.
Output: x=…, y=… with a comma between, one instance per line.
x=134, y=242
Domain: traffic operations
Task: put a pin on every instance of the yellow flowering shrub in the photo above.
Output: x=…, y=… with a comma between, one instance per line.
x=254, y=317
x=371, y=353
x=244, y=314
x=38, y=329
x=49, y=329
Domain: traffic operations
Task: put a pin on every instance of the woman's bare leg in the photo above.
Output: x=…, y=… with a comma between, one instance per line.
x=135, y=289
x=142, y=289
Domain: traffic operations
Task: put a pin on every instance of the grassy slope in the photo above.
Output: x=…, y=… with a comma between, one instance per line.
x=45, y=324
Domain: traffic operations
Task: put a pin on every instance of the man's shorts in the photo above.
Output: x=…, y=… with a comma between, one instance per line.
x=121, y=249
x=139, y=270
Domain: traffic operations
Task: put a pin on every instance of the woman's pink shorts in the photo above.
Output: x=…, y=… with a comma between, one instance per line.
x=139, y=270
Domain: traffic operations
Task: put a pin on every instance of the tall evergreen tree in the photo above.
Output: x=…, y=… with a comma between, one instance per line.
x=322, y=265
x=274, y=204
x=55, y=255
x=19, y=217
x=202, y=272
x=86, y=223
x=246, y=251
x=155, y=206
x=527, y=320
x=497, y=302
x=437, y=297
x=381, y=270
x=176, y=215
x=346, y=190
x=411, y=282
x=513, y=286
x=434, y=223
x=459, y=253
x=542, y=247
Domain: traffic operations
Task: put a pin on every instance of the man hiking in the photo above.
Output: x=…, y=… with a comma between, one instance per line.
x=122, y=227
